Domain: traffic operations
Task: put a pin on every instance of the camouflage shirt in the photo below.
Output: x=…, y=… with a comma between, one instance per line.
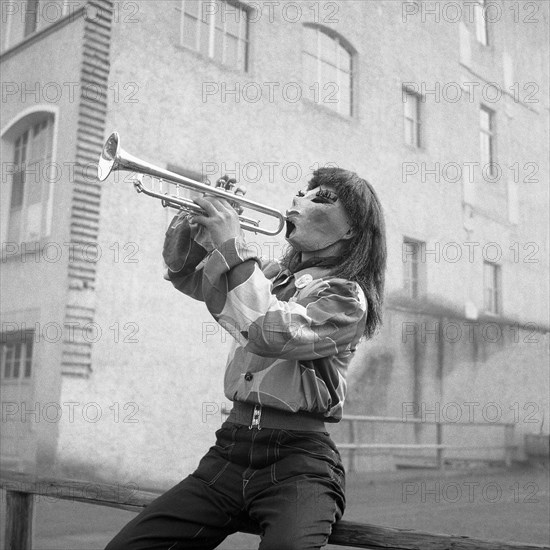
x=294, y=333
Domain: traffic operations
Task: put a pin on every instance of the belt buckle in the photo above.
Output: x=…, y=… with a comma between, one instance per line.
x=256, y=416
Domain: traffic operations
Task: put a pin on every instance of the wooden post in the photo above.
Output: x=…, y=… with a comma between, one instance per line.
x=439, y=441
x=508, y=442
x=440, y=370
x=19, y=513
x=353, y=441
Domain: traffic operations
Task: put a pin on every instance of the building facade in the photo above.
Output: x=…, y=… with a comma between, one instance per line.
x=442, y=106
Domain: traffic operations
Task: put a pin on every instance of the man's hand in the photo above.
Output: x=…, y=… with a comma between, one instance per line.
x=220, y=221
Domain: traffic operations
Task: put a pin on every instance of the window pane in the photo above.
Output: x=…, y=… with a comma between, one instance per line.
x=34, y=182
x=232, y=20
x=8, y=358
x=481, y=23
x=328, y=48
x=328, y=73
x=310, y=40
x=14, y=225
x=28, y=357
x=192, y=7
x=23, y=146
x=344, y=59
x=31, y=16
x=34, y=218
x=218, y=45
x=17, y=189
x=345, y=93
x=410, y=106
x=206, y=14
x=231, y=51
x=190, y=32
x=310, y=69
x=409, y=132
x=243, y=55
x=485, y=119
x=485, y=142
x=204, y=46
x=219, y=15
x=16, y=361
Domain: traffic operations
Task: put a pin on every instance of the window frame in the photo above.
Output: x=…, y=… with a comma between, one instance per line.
x=481, y=23
x=488, y=134
x=21, y=167
x=31, y=24
x=243, y=36
x=416, y=122
x=414, y=269
x=24, y=120
x=344, y=44
x=492, y=288
x=24, y=342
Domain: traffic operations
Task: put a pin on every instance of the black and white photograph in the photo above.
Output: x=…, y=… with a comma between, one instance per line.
x=274, y=274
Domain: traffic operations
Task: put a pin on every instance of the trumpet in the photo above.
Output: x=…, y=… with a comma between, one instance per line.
x=114, y=158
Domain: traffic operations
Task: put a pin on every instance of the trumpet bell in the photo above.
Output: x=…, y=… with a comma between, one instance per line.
x=108, y=156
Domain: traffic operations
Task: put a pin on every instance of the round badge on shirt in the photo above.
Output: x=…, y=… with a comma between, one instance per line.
x=303, y=281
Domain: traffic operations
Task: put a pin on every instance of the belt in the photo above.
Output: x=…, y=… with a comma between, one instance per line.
x=259, y=416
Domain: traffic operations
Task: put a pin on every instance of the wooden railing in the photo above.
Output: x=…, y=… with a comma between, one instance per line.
x=355, y=445
x=21, y=488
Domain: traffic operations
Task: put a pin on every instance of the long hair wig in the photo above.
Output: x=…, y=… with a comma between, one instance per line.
x=363, y=260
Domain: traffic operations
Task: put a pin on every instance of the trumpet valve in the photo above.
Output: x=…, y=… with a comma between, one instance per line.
x=138, y=182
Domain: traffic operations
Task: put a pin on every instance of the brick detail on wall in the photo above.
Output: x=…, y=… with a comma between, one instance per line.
x=78, y=335
x=86, y=191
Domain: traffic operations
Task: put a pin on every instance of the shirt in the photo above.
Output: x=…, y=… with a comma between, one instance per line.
x=294, y=333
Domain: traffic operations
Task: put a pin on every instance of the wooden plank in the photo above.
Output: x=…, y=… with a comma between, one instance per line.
x=129, y=497
x=19, y=511
x=428, y=446
x=358, y=535
x=402, y=420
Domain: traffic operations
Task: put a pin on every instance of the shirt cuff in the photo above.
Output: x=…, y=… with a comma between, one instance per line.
x=230, y=254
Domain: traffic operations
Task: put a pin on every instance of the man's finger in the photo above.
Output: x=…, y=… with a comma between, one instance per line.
x=220, y=204
x=206, y=204
x=204, y=221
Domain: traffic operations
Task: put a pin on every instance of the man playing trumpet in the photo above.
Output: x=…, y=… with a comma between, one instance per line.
x=296, y=324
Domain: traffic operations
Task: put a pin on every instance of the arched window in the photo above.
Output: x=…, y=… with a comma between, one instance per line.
x=328, y=69
x=29, y=143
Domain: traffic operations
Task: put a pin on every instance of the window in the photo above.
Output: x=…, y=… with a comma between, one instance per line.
x=414, y=267
x=487, y=140
x=31, y=17
x=482, y=31
x=16, y=356
x=30, y=182
x=218, y=30
x=411, y=117
x=492, y=287
x=328, y=70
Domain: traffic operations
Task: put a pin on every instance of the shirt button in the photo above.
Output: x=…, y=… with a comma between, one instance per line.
x=248, y=376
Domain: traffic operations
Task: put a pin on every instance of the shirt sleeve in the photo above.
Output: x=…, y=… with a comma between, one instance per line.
x=182, y=255
x=328, y=318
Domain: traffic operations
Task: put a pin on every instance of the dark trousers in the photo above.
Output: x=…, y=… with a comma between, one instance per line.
x=288, y=483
